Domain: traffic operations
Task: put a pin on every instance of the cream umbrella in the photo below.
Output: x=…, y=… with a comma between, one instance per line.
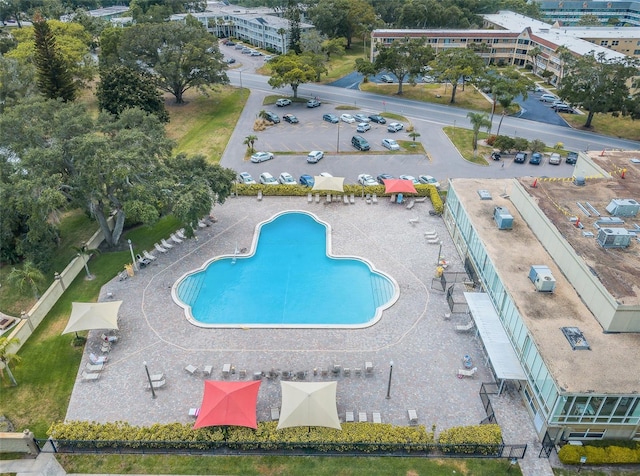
x=93, y=315
x=309, y=404
x=334, y=184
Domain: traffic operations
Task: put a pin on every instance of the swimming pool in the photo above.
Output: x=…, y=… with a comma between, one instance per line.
x=288, y=279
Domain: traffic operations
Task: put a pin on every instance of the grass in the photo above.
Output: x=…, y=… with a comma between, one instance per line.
x=340, y=66
x=394, y=116
x=205, y=123
x=463, y=140
x=606, y=124
x=291, y=466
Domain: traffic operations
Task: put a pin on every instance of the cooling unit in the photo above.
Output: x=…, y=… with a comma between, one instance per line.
x=614, y=237
x=503, y=218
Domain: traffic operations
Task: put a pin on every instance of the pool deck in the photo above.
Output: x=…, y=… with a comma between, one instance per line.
x=425, y=348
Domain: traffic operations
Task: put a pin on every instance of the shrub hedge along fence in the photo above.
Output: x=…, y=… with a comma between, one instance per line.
x=612, y=454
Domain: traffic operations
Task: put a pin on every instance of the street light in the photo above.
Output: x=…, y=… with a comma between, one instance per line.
x=133, y=258
x=146, y=369
x=240, y=71
x=389, y=385
x=439, y=252
x=338, y=142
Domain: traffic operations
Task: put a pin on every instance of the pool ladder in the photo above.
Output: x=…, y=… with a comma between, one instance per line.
x=235, y=254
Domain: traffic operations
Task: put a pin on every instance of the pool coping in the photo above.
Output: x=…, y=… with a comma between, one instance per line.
x=254, y=243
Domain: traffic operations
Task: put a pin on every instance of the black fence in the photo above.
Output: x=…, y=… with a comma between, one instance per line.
x=487, y=389
x=248, y=448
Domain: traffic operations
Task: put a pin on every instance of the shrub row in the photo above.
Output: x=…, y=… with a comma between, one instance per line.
x=298, y=191
x=571, y=454
x=461, y=438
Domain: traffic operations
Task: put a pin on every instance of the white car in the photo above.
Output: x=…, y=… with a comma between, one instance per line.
x=315, y=156
x=366, y=180
x=246, y=179
x=261, y=157
x=395, y=127
x=283, y=102
x=347, y=118
x=390, y=144
x=555, y=159
x=267, y=179
x=414, y=180
x=548, y=98
x=363, y=127
x=286, y=179
x=429, y=180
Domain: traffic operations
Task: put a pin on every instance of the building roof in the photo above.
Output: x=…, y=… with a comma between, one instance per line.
x=605, y=367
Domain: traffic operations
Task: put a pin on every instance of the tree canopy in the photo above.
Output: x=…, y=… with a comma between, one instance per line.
x=291, y=70
x=343, y=18
x=454, y=64
x=404, y=58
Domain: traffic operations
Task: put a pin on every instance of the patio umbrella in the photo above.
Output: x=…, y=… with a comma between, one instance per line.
x=309, y=404
x=335, y=184
x=228, y=404
x=398, y=186
x=93, y=315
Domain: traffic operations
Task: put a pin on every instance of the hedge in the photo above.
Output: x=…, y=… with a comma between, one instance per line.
x=299, y=191
x=571, y=454
x=462, y=438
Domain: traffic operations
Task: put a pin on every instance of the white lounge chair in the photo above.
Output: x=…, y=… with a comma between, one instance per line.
x=317, y=198
x=367, y=198
x=413, y=221
x=194, y=412
x=175, y=239
x=348, y=417
x=181, y=234
x=166, y=244
x=465, y=327
x=259, y=195
x=94, y=359
x=346, y=200
x=352, y=199
x=202, y=224
x=328, y=198
x=206, y=370
x=190, y=369
x=411, y=204
x=413, y=417
x=159, y=248
x=148, y=255
x=275, y=413
x=309, y=198
x=433, y=241
x=88, y=376
x=109, y=339
x=93, y=367
x=157, y=384
x=374, y=199
x=377, y=418
x=362, y=417
x=467, y=372
x=392, y=198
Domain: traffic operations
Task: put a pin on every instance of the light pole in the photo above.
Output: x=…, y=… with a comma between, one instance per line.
x=133, y=258
x=338, y=142
x=439, y=252
x=454, y=128
x=389, y=385
x=146, y=369
x=240, y=71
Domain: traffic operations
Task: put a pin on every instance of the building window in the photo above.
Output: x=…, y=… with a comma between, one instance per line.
x=591, y=433
x=615, y=43
x=636, y=52
x=604, y=43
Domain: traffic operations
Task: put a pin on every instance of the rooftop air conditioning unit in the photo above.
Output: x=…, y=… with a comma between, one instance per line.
x=614, y=237
x=623, y=207
x=503, y=218
x=542, y=278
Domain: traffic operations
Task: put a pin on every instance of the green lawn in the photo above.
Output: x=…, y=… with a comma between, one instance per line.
x=463, y=140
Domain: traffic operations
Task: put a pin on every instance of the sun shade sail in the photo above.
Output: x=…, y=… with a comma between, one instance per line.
x=335, y=184
x=309, y=404
x=93, y=315
x=398, y=186
x=228, y=404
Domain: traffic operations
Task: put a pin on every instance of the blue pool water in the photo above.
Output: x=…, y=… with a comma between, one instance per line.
x=289, y=281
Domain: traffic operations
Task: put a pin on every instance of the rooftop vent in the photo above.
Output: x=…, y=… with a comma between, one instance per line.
x=484, y=195
x=623, y=207
x=503, y=218
x=542, y=278
x=614, y=237
x=575, y=338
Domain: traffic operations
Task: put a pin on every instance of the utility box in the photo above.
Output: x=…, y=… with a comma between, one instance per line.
x=542, y=278
x=627, y=207
x=614, y=237
x=503, y=218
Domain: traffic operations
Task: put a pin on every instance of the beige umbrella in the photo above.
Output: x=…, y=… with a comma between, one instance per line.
x=335, y=184
x=309, y=404
x=93, y=315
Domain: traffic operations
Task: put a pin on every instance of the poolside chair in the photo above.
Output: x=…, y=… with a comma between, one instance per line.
x=400, y=198
x=156, y=384
x=317, y=198
x=89, y=377
x=109, y=339
x=368, y=199
x=352, y=199
x=194, y=412
x=149, y=256
x=142, y=262
x=159, y=248
x=166, y=244
x=275, y=413
x=433, y=241
x=309, y=198
x=226, y=370
x=346, y=200
x=93, y=367
x=377, y=418
x=413, y=417
x=328, y=198
x=413, y=221
x=348, y=417
x=467, y=372
x=465, y=327
x=97, y=360
x=181, y=234
x=207, y=370
x=191, y=369
x=175, y=238
x=259, y=195
x=411, y=204
x=105, y=347
x=362, y=417
x=374, y=199
x=202, y=224
x=357, y=371
x=346, y=371
x=368, y=368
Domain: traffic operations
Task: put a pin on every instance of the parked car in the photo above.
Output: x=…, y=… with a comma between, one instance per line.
x=307, y=180
x=414, y=180
x=428, y=79
x=267, y=179
x=239, y=46
x=332, y=118
x=395, y=127
x=246, y=179
x=230, y=43
x=286, y=179
x=385, y=78
x=382, y=177
x=429, y=180
x=290, y=118
x=282, y=102
x=548, y=98
x=363, y=127
x=272, y=117
x=572, y=158
x=361, y=118
x=348, y=118
x=563, y=108
x=261, y=157
x=315, y=156
x=390, y=144
x=268, y=57
x=313, y=103
x=256, y=53
x=360, y=143
x=245, y=50
x=536, y=158
x=366, y=180
x=378, y=118
x=555, y=159
x=230, y=60
x=496, y=155
x=521, y=158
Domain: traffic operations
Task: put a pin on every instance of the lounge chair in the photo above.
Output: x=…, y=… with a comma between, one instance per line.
x=413, y=221
x=352, y=199
x=346, y=200
x=411, y=204
x=159, y=248
x=109, y=339
x=106, y=347
x=194, y=412
x=175, y=238
x=88, y=376
x=226, y=370
x=433, y=241
x=142, y=262
x=309, y=198
x=368, y=199
x=149, y=256
x=368, y=368
x=465, y=327
x=392, y=198
x=328, y=198
x=156, y=377
x=431, y=234
x=467, y=372
x=206, y=370
x=374, y=199
x=180, y=234
x=93, y=367
x=190, y=369
x=413, y=417
x=275, y=413
x=259, y=195
x=421, y=199
x=166, y=244
x=157, y=384
x=348, y=417
x=377, y=418
x=362, y=417
x=97, y=360
x=202, y=224
x=400, y=198
x=317, y=198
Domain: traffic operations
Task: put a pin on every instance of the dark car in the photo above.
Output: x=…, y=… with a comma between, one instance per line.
x=230, y=43
x=521, y=158
x=496, y=156
x=536, y=158
x=230, y=60
x=271, y=117
x=332, y=118
x=572, y=158
x=385, y=78
x=307, y=180
x=378, y=118
x=382, y=177
x=290, y=118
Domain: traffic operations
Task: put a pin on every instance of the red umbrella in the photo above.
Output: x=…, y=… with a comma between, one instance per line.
x=398, y=186
x=228, y=403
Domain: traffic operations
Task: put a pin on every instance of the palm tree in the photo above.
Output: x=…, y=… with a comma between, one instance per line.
x=478, y=120
x=249, y=141
x=7, y=357
x=414, y=135
x=84, y=253
x=283, y=46
x=534, y=53
x=28, y=275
